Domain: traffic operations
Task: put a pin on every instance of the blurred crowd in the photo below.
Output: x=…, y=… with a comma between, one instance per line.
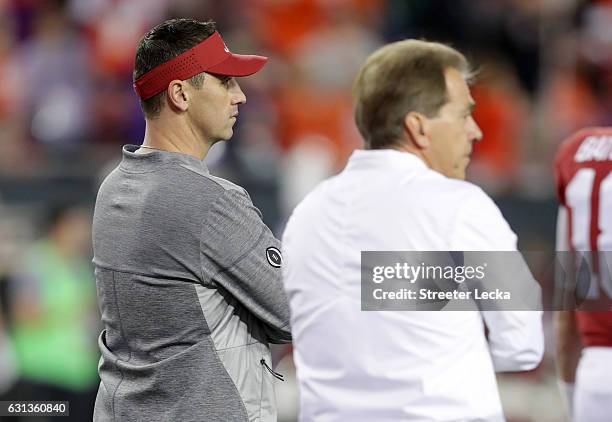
x=544, y=69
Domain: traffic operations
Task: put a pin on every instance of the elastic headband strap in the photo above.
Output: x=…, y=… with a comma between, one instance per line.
x=197, y=59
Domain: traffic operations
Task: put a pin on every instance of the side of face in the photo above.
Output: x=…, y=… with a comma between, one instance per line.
x=446, y=140
x=213, y=109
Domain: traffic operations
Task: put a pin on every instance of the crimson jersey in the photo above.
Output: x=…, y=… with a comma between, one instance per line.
x=584, y=186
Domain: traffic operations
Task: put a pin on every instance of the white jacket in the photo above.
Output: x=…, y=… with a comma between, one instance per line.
x=396, y=366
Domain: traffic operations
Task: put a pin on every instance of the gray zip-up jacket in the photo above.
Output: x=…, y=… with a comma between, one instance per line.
x=189, y=287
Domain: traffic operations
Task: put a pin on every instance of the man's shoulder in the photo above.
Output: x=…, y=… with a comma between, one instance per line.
x=313, y=205
x=429, y=189
x=588, y=148
x=189, y=190
x=471, y=198
x=208, y=179
x=478, y=223
x=322, y=192
x=463, y=202
x=437, y=187
x=191, y=181
x=584, y=147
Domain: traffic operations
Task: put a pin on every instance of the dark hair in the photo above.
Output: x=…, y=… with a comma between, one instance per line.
x=399, y=78
x=162, y=43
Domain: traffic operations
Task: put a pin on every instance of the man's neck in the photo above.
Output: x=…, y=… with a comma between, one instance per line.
x=413, y=150
x=174, y=136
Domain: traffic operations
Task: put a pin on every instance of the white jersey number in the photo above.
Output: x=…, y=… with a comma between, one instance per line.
x=578, y=196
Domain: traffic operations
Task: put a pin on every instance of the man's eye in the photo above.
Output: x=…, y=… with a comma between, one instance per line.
x=226, y=82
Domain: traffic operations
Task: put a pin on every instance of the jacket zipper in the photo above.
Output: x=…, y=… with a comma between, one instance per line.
x=275, y=374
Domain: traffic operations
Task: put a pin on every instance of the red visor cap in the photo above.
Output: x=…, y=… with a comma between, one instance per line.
x=211, y=55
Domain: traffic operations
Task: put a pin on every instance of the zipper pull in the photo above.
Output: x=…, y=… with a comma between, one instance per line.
x=275, y=374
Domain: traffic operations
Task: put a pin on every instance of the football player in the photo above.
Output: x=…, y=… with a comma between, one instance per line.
x=584, y=230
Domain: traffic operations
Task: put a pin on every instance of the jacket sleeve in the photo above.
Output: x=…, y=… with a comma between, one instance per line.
x=240, y=254
x=516, y=339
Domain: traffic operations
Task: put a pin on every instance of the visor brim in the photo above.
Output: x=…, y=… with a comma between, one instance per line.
x=238, y=65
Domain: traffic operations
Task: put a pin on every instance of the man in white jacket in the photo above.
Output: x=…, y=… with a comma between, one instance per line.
x=404, y=192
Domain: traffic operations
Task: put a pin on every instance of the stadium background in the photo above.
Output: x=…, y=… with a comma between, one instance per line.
x=67, y=106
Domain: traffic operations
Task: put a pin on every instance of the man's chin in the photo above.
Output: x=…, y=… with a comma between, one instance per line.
x=226, y=136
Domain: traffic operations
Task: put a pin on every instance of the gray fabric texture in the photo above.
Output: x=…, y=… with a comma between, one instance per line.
x=188, y=296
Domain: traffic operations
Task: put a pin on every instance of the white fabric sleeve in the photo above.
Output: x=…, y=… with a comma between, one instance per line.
x=516, y=340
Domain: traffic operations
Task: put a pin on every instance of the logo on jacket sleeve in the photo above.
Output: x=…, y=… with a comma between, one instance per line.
x=274, y=257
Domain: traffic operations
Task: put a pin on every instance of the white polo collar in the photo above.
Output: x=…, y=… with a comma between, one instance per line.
x=386, y=158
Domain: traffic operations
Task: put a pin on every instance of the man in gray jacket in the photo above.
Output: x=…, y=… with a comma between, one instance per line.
x=188, y=275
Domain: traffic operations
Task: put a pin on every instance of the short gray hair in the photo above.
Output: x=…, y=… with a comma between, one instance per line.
x=398, y=78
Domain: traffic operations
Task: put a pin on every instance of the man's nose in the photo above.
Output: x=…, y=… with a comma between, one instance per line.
x=474, y=131
x=238, y=95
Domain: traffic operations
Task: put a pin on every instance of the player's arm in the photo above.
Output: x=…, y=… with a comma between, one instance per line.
x=240, y=254
x=567, y=351
x=567, y=340
x=515, y=338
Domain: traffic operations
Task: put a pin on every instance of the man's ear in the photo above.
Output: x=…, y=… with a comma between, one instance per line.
x=415, y=127
x=178, y=95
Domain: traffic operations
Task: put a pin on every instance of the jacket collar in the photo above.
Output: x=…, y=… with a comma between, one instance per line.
x=385, y=158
